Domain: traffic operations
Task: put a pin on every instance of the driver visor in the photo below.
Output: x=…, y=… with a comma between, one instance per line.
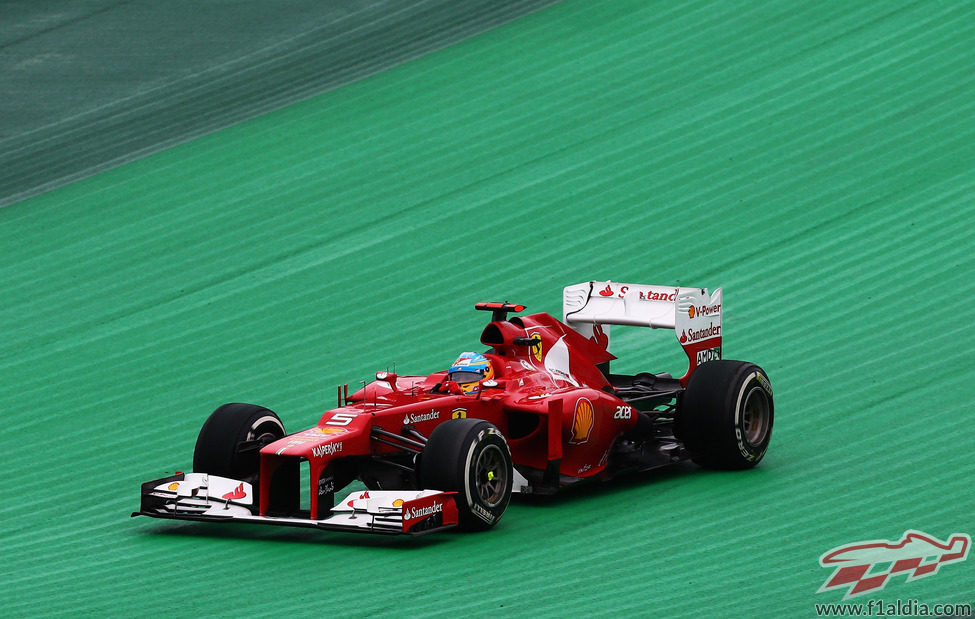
x=465, y=377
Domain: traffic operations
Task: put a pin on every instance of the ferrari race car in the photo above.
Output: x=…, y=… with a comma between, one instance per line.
x=539, y=410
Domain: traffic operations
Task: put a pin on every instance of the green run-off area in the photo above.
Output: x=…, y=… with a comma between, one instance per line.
x=817, y=161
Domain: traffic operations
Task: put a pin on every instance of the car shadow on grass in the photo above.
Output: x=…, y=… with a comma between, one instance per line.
x=621, y=485
x=293, y=535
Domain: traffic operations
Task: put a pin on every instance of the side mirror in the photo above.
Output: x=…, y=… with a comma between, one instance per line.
x=389, y=377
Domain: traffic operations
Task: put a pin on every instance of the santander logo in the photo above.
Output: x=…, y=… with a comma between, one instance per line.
x=413, y=513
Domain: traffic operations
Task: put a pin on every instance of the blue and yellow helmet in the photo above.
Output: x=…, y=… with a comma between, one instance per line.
x=469, y=370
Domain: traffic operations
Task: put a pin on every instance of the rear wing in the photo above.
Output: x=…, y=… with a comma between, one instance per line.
x=692, y=313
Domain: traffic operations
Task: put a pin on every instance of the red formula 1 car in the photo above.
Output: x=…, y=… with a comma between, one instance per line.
x=537, y=411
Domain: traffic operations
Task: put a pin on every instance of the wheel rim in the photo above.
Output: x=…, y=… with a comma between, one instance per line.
x=266, y=430
x=755, y=416
x=491, y=475
x=262, y=432
x=266, y=438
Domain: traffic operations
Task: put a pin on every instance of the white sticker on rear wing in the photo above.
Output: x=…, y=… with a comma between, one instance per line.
x=698, y=327
x=608, y=303
x=592, y=306
x=694, y=314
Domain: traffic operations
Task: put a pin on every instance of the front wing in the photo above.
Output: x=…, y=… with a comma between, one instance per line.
x=210, y=498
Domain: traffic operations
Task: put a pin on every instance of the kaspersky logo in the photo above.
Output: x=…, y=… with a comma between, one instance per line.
x=865, y=567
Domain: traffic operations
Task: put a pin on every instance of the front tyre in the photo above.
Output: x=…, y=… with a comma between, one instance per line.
x=726, y=414
x=470, y=457
x=230, y=442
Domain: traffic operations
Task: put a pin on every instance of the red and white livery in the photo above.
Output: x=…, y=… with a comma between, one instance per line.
x=433, y=455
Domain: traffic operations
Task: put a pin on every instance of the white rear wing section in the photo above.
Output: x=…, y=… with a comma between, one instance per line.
x=692, y=313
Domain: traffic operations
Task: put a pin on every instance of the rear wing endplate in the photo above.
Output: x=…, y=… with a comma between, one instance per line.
x=692, y=313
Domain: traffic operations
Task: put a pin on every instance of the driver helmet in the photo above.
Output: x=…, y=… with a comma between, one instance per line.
x=468, y=370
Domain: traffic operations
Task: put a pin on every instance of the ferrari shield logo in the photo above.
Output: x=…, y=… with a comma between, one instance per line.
x=536, y=347
x=458, y=413
x=582, y=422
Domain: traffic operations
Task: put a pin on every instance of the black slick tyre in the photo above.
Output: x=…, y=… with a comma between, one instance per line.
x=726, y=414
x=471, y=458
x=230, y=442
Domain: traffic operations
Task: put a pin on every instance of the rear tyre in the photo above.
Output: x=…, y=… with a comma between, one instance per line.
x=470, y=457
x=726, y=414
x=230, y=442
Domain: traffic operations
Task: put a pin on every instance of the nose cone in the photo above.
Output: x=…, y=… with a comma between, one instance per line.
x=309, y=444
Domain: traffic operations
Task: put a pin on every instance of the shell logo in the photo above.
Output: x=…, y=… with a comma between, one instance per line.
x=690, y=312
x=583, y=420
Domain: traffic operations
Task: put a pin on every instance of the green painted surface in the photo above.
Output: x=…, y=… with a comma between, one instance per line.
x=91, y=84
x=815, y=160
